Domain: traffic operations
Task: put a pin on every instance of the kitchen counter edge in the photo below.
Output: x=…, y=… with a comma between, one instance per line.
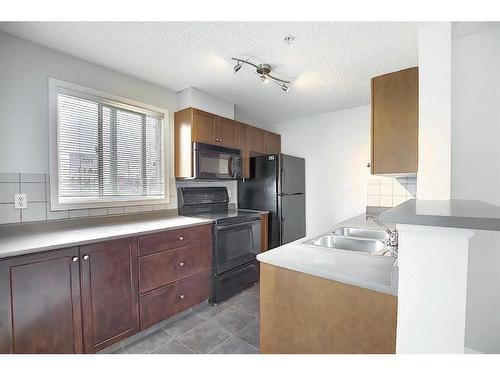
x=277, y=257
x=30, y=238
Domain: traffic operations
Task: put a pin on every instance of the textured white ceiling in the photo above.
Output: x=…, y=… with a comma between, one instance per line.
x=330, y=63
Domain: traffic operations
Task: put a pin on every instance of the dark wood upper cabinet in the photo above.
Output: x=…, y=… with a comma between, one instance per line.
x=256, y=141
x=213, y=129
x=272, y=143
x=109, y=282
x=395, y=122
x=205, y=127
x=228, y=133
x=40, y=303
x=263, y=142
x=193, y=125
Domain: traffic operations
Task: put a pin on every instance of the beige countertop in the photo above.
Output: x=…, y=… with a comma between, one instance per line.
x=18, y=239
x=354, y=268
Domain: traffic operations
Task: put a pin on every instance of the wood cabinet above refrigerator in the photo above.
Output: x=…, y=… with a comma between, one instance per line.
x=263, y=142
x=394, y=104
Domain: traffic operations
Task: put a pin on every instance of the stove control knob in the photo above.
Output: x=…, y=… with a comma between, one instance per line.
x=181, y=296
x=181, y=264
x=181, y=238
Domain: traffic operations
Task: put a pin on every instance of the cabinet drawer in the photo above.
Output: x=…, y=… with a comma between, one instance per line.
x=163, y=268
x=156, y=242
x=162, y=303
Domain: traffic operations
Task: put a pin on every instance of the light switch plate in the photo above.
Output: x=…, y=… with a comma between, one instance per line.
x=20, y=201
x=229, y=193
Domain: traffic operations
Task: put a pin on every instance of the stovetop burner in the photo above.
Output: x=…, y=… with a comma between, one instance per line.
x=211, y=203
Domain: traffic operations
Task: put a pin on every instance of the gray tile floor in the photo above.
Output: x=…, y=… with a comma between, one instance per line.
x=231, y=327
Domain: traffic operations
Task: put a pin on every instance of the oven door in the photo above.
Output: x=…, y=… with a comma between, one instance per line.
x=237, y=244
x=215, y=162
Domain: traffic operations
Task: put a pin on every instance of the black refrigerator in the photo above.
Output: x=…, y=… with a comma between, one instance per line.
x=277, y=185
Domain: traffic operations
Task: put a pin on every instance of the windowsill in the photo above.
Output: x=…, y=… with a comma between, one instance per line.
x=76, y=204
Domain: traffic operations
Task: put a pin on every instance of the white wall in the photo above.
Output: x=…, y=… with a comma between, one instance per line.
x=476, y=173
x=192, y=97
x=336, y=147
x=24, y=71
x=434, y=143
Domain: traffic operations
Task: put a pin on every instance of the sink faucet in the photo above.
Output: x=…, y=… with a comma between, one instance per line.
x=393, y=234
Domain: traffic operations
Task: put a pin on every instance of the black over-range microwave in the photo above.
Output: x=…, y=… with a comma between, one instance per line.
x=215, y=162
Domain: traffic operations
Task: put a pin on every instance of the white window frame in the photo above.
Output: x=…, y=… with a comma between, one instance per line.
x=56, y=86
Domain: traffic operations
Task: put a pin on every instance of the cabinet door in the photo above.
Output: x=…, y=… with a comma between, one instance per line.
x=272, y=143
x=243, y=146
x=395, y=122
x=109, y=292
x=204, y=127
x=256, y=142
x=40, y=303
x=228, y=133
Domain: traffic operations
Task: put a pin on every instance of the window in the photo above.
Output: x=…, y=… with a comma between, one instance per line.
x=107, y=152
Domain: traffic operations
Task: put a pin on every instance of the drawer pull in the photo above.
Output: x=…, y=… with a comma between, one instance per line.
x=86, y=257
x=181, y=264
x=74, y=259
x=181, y=296
x=181, y=238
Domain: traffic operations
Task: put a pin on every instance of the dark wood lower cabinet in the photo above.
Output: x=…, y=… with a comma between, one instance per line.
x=169, y=300
x=81, y=300
x=159, y=269
x=109, y=292
x=40, y=303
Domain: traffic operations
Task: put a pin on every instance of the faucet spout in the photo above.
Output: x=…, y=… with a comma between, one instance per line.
x=393, y=234
x=382, y=225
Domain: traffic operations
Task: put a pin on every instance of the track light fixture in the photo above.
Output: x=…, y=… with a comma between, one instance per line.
x=237, y=67
x=263, y=71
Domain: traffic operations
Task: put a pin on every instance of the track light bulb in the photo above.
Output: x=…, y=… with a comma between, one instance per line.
x=285, y=88
x=237, y=67
x=264, y=79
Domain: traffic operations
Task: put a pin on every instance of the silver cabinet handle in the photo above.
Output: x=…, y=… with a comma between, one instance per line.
x=181, y=264
x=74, y=259
x=86, y=257
x=181, y=296
x=181, y=238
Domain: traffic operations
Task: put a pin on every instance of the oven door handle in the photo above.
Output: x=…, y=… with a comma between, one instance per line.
x=239, y=224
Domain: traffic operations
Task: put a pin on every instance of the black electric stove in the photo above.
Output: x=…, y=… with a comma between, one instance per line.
x=236, y=238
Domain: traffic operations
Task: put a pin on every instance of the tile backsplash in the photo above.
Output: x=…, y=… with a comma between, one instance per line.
x=390, y=192
x=36, y=188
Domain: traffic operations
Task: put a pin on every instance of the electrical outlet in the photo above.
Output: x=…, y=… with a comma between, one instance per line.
x=20, y=201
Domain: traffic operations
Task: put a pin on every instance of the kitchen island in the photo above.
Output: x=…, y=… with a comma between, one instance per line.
x=321, y=300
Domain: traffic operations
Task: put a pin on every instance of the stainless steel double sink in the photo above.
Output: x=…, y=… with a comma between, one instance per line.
x=368, y=241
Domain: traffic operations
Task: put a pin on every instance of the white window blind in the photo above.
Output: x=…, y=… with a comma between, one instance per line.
x=108, y=151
